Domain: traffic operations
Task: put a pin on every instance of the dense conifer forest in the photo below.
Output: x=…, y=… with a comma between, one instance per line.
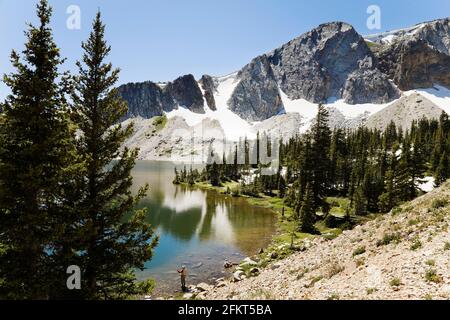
x=376, y=170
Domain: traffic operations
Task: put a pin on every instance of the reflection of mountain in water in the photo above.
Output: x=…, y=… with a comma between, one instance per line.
x=197, y=228
x=186, y=214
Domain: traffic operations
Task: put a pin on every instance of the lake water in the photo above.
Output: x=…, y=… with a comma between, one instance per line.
x=197, y=228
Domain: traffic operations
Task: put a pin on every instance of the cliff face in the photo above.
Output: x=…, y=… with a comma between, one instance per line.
x=332, y=60
x=256, y=97
x=209, y=87
x=186, y=93
x=420, y=58
x=147, y=99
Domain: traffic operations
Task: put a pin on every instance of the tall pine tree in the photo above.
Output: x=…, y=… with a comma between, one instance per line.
x=36, y=153
x=114, y=237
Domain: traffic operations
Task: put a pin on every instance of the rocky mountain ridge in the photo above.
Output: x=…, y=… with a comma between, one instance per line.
x=331, y=61
x=417, y=58
x=362, y=81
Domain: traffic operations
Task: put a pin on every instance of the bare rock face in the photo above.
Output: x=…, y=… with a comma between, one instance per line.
x=148, y=99
x=145, y=99
x=418, y=59
x=256, y=97
x=209, y=87
x=332, y=60
x=186, y=92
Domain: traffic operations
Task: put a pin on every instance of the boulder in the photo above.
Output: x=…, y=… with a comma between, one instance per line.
x=248, y=261
x=254, y=270
x=238, y=275
x=203, y=287
x=227, y=264
x=188, y=296
x=275, y=266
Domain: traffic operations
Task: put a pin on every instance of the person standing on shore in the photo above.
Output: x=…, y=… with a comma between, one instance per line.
x=183, y=275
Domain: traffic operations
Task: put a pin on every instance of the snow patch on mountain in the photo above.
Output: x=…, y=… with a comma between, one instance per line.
x=234, y=126
x=389, y=36
x=343, y=114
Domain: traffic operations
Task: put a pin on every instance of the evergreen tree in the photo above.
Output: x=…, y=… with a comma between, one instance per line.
x=388, y=199
x=442, y=171
x=114, y=237
x=214, y=175
x=359, y=202
x=321, y=140
x=307, y=212
x=36, y=157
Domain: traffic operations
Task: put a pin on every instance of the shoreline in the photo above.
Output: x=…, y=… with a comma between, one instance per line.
x=284, y=242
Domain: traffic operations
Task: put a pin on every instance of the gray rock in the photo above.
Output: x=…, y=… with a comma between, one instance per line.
x=254, y=270
x=145, y=99
x=203, y=287
x=186, y=92
x=418, y=59
x=275, y=266
x=188, y=296
x=238, y=275
x=248, y=261
x=256, y=97
x=221, y=284
x=209, y=87
x=404, y=112
x=325, y=62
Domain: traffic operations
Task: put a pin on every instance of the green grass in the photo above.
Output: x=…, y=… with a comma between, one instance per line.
x=430, y=263
x=417, y=244
x=160, y=122
x=389, y=238
x=371, y=290
x=338, y=206
x=358, y=251
x=396, y=282
x=432, y=276
x=447, y=246
x=439, y=203
x=314, y=280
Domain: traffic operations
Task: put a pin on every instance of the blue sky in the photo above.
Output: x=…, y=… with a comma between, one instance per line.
x=161, y=40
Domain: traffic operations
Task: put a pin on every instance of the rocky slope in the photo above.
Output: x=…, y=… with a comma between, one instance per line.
x=403, y=112
x=417, y=57
x=175, y=140
x=330, y=61
x=402, y=255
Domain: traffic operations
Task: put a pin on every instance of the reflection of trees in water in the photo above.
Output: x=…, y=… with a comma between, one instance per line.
x=185, y=213
x=181, y=225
